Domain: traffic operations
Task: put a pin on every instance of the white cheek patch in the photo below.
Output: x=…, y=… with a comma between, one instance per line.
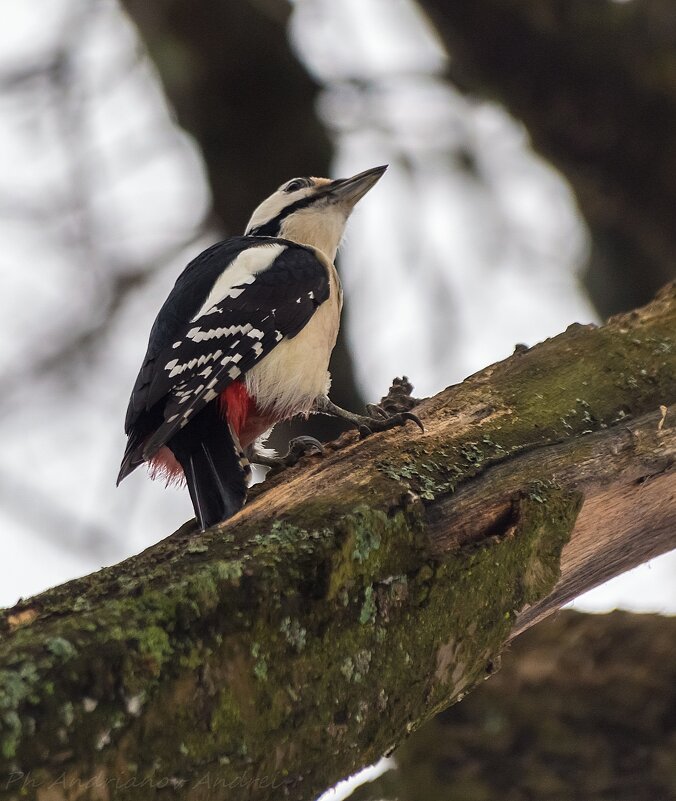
x=274, y=205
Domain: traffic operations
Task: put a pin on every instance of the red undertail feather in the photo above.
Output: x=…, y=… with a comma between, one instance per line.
x=241, y=411
x=246, y=422
x=236, y=405
x=164, y=465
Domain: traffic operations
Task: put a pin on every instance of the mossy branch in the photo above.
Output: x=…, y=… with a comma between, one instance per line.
x=354, y=597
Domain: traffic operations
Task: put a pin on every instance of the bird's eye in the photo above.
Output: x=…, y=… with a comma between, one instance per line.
x=296, y=184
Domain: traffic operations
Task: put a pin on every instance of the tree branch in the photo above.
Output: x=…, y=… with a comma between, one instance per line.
x=354, y=598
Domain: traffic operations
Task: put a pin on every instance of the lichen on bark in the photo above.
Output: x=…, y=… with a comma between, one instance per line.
x=311, y=633
x=213, y=688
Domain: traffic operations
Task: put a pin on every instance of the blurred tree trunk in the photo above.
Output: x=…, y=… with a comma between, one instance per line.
x=583, y=707
x=595, y=84
x=237, y=87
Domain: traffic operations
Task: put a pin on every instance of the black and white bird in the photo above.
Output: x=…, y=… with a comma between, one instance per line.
x=243, y=342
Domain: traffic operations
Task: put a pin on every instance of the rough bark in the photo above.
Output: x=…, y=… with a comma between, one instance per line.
x=593, y=81
x=356, y=597
x=582, y=707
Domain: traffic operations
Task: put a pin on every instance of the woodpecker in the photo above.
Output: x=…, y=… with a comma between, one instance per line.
x=243, y=342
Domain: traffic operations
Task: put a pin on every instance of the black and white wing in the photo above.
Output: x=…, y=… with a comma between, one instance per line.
x=229, y=308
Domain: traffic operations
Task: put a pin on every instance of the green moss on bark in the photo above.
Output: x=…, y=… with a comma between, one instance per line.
x=299, y=643
x=289, y=664
x=582, y=381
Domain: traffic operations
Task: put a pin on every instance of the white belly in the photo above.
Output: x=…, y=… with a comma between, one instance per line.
x=289, y=379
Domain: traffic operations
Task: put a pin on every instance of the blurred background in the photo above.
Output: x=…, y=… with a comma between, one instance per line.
x=531, y=147
x=134, y=135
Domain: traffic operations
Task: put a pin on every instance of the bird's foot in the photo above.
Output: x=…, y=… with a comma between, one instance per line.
x=392, y=411
x=298, y=447
x=379, y=419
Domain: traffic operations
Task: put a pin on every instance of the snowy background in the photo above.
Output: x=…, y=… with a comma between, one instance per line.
x=103, y=199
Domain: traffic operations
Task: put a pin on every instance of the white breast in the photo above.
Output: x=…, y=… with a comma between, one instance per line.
x=289, y=379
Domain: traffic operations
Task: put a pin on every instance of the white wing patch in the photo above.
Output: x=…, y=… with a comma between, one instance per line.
x=175, y=368
x=243, y=270
x=228, y=340
x=197, y=334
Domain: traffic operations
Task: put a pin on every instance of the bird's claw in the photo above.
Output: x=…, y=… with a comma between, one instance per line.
x=414, y=419
x=298, y=447
x=376, y=411
x=302, y=446
x=380, y=420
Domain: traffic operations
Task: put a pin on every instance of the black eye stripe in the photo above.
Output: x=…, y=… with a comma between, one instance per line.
x=271, y=227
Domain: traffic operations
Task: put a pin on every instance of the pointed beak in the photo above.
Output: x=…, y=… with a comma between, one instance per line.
x=350, y=190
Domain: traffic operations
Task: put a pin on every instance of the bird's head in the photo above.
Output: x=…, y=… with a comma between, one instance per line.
x=312, y=211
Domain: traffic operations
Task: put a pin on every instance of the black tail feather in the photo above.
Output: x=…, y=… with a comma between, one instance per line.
x=131, y=459
x=138, y=433
x=215, y=468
